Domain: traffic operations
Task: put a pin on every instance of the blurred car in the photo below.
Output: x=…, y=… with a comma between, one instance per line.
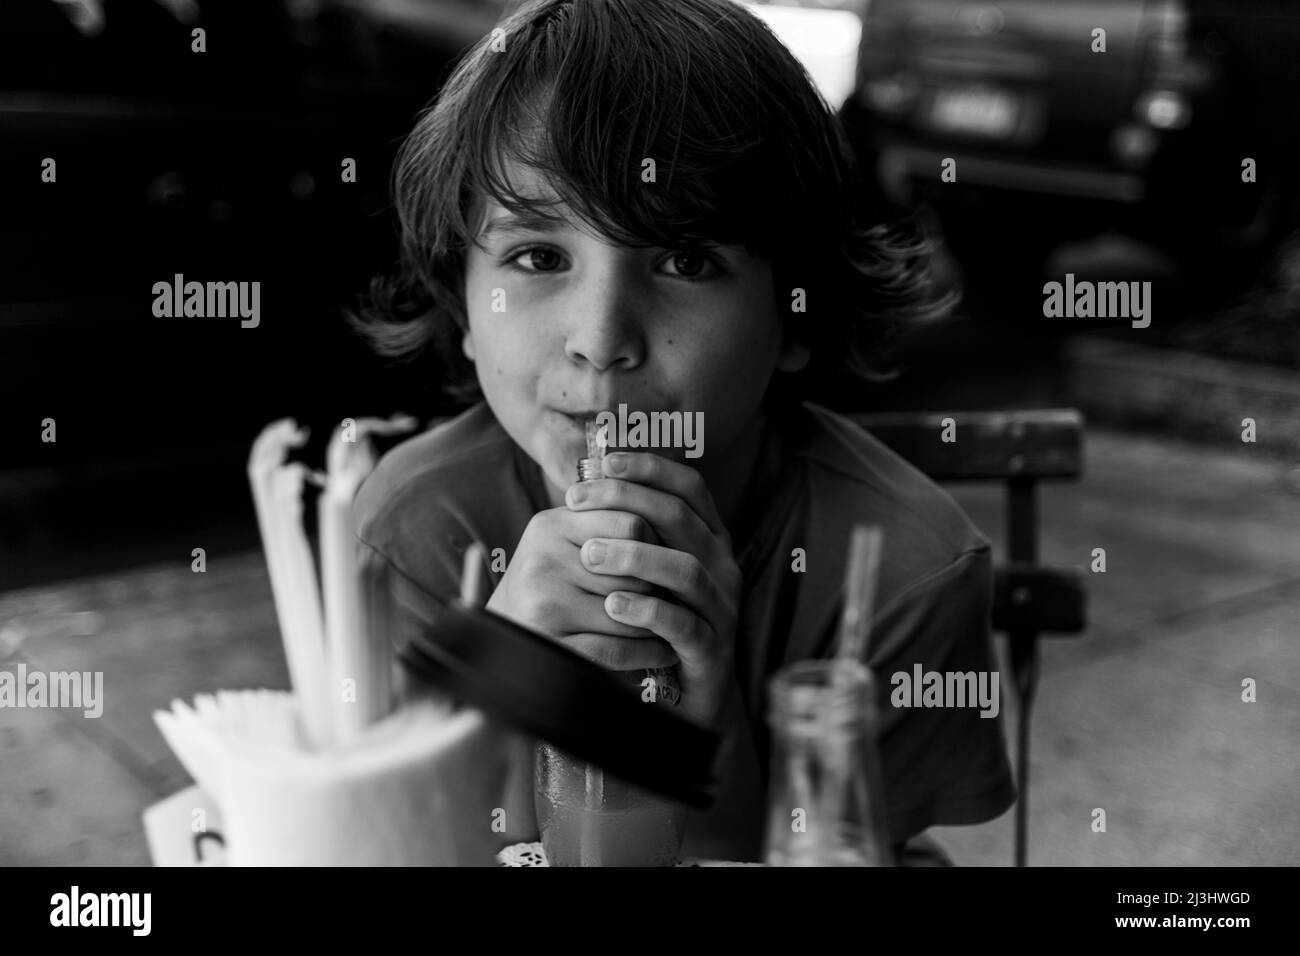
x=1055, y=136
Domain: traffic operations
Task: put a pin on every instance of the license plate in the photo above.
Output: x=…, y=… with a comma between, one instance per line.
x=975, y=110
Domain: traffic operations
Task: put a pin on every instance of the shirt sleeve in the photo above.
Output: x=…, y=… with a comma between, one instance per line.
x=942, y=765
x=422, y=539
x=411, y=598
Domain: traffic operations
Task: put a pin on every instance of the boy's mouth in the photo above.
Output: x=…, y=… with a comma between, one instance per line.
x=579, y=418
x=572, y=427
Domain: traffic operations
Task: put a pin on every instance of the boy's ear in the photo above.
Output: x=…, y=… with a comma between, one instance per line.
x=794, y=354
x=467, y=344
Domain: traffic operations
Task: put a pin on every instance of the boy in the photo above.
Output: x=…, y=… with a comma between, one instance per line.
x=615, y=203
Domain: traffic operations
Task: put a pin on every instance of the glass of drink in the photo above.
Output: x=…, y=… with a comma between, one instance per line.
x=588, y=817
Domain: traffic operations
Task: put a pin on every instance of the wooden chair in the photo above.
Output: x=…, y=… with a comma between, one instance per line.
x=1020, y=449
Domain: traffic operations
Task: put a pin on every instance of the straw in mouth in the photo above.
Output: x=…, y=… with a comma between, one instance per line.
x=590, y=468
x=597, y=438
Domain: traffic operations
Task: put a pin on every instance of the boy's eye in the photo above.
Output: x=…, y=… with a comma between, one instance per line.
x=540, y=259
x=690, y=265
x=685, y=264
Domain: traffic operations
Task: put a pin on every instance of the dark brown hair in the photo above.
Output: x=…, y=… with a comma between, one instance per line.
x=747, y=152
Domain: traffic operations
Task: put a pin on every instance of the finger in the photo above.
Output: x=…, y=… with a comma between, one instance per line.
x=586, y=614
x=579, y=526
x=601, y=584
x=679, y=573
x=673, y=518
x=686, y=632
x=622, y=653
x=669, y=476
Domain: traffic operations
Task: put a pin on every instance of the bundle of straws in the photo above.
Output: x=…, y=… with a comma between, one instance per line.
x=335, y=628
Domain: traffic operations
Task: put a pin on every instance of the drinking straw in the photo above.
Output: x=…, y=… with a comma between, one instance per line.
x=306, y=624
x=860, y=591
x=361, y=452
x=376, y=589
x=594, y=800
x=277, y=499
x=473, y=589
x=346, y=641
x=354, y=653
x=860, y=578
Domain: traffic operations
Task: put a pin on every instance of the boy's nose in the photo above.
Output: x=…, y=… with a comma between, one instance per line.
x=605, y=329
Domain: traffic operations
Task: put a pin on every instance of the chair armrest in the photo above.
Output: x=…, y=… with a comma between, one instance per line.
x=1035, y=443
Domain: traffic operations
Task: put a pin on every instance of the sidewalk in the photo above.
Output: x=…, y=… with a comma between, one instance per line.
x=1186, y=394
x=1142, y=716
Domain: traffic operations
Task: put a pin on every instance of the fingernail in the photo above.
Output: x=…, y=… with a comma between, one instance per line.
x=617, y=604
x=615, y=464
x=595, y=552
x=577, y=494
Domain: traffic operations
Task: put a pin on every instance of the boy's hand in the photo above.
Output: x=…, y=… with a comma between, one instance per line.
x=691, y=563
x=547, y=588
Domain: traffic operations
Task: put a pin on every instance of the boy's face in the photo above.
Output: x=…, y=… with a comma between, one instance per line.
x=563, y=325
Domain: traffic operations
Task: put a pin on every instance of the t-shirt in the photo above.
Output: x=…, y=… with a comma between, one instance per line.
x=818, y=474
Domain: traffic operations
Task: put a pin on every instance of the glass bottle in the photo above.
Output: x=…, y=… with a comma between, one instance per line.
x=825, y=804
x=591, y=468
x=586, y=816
